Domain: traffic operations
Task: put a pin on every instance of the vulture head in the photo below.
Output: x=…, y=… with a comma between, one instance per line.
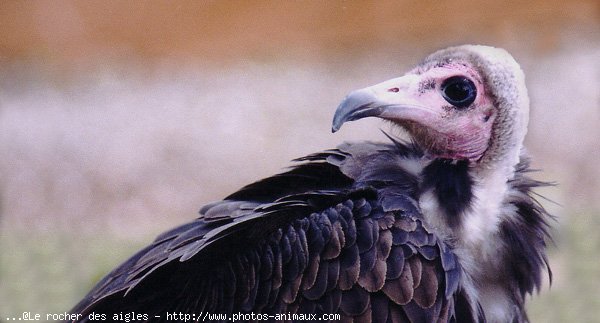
x=462, y=103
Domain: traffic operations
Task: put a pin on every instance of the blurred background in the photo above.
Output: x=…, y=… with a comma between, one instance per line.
x=120, y=119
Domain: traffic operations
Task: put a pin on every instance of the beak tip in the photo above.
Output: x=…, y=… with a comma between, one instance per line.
x=336, y=126
x=356, y=105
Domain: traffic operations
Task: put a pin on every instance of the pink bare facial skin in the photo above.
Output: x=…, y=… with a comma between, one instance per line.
x=444, y=130
x=447, y=106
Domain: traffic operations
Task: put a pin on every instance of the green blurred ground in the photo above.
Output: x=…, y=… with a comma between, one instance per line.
x=575, y=260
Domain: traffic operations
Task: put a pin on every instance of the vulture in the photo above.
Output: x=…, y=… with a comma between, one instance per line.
x=442, y=226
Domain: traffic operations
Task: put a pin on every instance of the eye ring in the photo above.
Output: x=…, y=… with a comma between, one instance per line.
x=459, y=91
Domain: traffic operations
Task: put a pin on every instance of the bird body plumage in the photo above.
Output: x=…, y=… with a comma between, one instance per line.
x=376, y=232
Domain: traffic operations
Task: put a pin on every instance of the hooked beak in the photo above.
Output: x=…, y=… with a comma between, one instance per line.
x=394, y=100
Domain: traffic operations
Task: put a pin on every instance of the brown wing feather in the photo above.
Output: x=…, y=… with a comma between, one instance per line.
x=356, y=251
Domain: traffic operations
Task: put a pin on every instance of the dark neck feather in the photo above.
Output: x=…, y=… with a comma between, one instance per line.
x=452, y=185
x=526, y=233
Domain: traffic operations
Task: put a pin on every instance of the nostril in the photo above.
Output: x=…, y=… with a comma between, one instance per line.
x=394, y=89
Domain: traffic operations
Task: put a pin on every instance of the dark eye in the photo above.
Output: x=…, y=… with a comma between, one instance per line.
x=459, y=91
